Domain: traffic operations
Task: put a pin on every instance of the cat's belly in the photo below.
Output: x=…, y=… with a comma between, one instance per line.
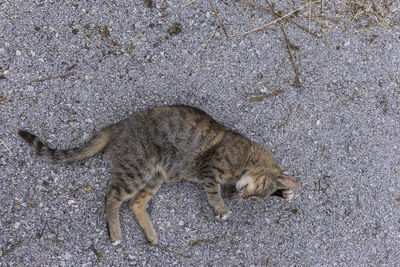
x=181, y=170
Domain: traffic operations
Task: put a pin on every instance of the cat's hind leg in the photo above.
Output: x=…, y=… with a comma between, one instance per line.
x=140, y=202
x=114, y=199
x=122, y=187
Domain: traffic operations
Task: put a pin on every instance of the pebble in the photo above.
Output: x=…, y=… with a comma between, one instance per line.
x=67, y=256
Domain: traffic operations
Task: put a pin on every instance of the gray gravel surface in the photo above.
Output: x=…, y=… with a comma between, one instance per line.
x=338, y=133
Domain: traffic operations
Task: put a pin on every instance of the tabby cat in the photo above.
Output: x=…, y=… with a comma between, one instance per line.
x=172, y=143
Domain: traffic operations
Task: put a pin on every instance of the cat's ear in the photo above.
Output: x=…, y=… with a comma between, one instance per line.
x=287, y=182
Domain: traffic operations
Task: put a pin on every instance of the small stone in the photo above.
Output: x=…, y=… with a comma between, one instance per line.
x=67, y=256
x=18, y=53
x=16, y=225
x=71, y=201
x=181, y=223
x=318, y=122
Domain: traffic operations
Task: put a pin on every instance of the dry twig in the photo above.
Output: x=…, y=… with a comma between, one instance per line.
x=275, y=21
x=4, y=144
x=87, y=38
x=298, y=81
x=171, y=251
x=258, y=98
x=11, y=248
x=189, y=3
x=208, y=40
x=280, y=15
x=99, y=254
x=132, y=52
x=219, y=19
x=283, y=124
x=54, y=77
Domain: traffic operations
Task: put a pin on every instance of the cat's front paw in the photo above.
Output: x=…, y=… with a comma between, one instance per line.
x=152, y=238
x=287, y=194
x=222, y=213
x=116, y=242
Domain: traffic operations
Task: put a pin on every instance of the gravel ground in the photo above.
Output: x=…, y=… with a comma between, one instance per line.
x=338, y=133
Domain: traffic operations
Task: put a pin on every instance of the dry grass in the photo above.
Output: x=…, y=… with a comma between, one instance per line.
x=5, y=145
x=53, y=77
x=319, y=19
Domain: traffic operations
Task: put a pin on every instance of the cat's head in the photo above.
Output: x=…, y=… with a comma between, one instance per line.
x=260, y=183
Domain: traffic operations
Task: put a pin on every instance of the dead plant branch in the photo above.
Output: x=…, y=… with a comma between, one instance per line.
x=297, y=81
x=11, y=248
x=280, y=15
x=189, y=3
x=4, y=144
x=54, y=77
x=209, y=39
x=171, y=251
x=259, y=98
x=219, y=19
x=87, y=38
x=276, y=20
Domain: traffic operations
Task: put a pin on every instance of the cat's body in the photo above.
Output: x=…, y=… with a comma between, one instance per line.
x=173, y=143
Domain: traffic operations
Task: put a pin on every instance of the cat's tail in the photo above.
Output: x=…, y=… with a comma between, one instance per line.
x=92, y=147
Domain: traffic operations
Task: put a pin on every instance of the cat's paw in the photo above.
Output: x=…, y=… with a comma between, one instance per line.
x=153, y=238
x=225, y=216
x=116, y=242
x=222, y=213
x=287, y=194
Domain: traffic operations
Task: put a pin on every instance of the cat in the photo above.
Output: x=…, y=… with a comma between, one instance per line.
x=171, y=143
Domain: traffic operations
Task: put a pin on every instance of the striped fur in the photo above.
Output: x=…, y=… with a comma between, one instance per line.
x=91, y=148
x=172, y=143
